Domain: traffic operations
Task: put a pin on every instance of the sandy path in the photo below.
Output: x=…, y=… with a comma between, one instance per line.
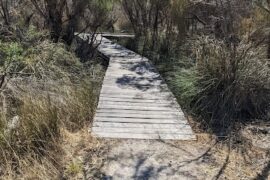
x=153, y=159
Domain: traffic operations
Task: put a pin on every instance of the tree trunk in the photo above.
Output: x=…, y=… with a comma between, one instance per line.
x=70, y=30
x=55, y=24
x=5, y=12
x=268, y=50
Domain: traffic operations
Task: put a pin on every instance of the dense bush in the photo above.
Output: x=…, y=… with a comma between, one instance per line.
x=216, y=62
x=46, y=88
x=234, y=80
x=220, y=82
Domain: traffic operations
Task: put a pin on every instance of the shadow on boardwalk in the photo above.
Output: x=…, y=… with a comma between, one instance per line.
x=146, y=77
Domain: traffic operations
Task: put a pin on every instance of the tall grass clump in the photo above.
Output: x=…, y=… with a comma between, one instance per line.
x=31, y=131
x=45, y=91
x=183, y=83
x=78, y=107
x=233, y=81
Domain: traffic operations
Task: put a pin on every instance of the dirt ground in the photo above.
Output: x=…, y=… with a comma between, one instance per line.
x=206, y=158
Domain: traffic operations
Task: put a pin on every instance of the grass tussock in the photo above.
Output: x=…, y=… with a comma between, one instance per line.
x=226, y=83
x=45, y=90
x=78, y=110
x=234, y=80
x=29, y=135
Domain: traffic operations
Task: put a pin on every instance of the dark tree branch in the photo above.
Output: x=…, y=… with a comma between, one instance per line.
x=34, y=2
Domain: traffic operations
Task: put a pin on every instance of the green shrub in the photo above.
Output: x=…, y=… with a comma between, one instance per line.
x=183, y=83
x=234, y=81
x=10, y=57
x=51, y=61
x=33, y=36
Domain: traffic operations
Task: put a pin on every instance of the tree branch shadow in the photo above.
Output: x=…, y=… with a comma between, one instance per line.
x=265, y=173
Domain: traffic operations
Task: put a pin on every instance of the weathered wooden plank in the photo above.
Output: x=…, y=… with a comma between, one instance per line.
x=148, y=106
x=130, y=59
x=114, y=112
x=172, y=108
x=132, y=88
x=138, y=120
x=135, y=102
x=132, y=65
x=137, y=95
x=137, y=114
x=135, y=74
x=118, y=35
x=130, y=76
x=146, y=136
x=134, y=91
x=139, y=125
x=142, y=130
x=118, y=82
x=136, y=98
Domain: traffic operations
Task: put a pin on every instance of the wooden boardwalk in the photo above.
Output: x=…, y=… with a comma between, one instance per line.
x=135, y=102
x=120, y=35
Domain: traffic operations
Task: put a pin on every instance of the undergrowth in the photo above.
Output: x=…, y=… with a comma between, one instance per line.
x=234, y=81
x=44, y=90
x=218, y=82
x=223, y=83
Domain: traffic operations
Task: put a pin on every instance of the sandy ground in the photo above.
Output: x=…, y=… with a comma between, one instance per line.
x=142, y=159
x=90, y=158
x=159, y=160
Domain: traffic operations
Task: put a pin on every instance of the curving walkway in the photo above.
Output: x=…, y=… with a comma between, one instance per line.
x=135, y=102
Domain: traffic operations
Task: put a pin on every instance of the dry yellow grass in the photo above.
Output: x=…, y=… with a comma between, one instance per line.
x=57, y=94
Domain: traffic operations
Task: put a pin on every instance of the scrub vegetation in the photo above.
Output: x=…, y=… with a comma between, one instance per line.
x=214, y=55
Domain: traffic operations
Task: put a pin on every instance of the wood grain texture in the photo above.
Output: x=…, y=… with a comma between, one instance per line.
x=135, y=102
